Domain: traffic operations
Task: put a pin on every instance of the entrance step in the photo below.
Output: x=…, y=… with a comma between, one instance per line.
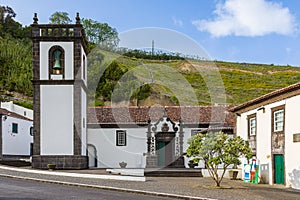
x=173, y=172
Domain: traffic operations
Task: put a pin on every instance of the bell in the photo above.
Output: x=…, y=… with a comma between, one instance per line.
x=56, y=65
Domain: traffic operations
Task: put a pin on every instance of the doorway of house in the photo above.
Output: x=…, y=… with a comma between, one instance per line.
x=92, y=153
x=278, y=169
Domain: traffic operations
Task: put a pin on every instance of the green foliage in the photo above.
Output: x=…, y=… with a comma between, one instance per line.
x=218, y=149
x=100, y=34
x=60, y=18
x=141, y=54
x=16, y=65
x=25, y=104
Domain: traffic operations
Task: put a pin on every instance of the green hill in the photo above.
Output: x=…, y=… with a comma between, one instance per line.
x=182, y=82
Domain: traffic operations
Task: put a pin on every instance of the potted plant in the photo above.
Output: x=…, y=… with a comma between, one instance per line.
x=193, y=163
x=122, y=164
x=51, y=166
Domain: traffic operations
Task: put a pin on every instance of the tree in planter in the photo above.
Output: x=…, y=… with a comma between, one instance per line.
x=218, y=149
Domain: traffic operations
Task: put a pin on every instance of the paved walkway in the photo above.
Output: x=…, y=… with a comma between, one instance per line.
x=181, y=187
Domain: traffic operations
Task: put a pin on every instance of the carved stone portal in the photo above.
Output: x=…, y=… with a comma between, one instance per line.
x=165, y=141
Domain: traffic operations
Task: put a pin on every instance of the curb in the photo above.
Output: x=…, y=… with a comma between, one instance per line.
x=150, y=193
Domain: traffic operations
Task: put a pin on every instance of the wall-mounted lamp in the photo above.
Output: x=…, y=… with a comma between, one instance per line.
x=237, y=114
x=261, y=108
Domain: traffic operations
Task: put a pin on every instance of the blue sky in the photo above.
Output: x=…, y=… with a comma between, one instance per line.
x=256, y=31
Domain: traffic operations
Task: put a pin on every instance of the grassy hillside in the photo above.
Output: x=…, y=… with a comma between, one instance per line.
x=184, y=82
x=150, y=82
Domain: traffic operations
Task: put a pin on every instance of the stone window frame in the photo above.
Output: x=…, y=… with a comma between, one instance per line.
x=274, y=110
x=50, y=60
x=121, y=138
x=249, y=117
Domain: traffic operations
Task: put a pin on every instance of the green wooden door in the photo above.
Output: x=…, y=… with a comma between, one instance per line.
x=279, y=169
x=161, y=154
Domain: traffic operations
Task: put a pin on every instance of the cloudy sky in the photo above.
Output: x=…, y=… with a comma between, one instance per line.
x=254, y=31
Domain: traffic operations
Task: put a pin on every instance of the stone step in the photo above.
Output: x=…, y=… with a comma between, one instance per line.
x=172, y=172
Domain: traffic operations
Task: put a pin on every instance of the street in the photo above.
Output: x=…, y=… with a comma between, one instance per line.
x=14, y=189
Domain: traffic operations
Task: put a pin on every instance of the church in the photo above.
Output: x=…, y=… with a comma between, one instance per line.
x=72, y=135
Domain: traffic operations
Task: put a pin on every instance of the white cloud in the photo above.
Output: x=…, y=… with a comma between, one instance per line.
x=177, y=22
x=248, y=18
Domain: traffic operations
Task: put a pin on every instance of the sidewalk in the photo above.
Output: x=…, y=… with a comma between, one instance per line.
x=181, y=187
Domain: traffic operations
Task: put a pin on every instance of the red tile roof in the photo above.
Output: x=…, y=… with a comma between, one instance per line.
x=11, y=114
x=141, y=115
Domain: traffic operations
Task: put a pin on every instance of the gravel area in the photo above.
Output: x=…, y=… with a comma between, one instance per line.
x=191, y=186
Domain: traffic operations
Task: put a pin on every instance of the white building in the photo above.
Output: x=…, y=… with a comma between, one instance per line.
x=25, y=112
x=271, y=124
x=16, y=135
x=149, y=137
x=68, y=135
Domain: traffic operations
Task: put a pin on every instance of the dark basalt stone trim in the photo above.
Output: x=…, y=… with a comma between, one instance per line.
x=0, y=137
x=60, y=82
x=97, y=126
x=61, y=161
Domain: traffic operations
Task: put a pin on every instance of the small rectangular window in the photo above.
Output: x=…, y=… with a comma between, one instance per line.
x=252, y=126
x=121, y=138
x=14, y=128
x=278, y=120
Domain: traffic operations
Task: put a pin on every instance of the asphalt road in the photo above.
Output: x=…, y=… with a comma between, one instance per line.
x=18, y=189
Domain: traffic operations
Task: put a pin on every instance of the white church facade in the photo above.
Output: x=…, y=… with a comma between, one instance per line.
x=72, y=136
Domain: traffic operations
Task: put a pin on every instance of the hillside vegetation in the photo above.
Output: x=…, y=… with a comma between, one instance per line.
x=140, y=77
x=184, y=82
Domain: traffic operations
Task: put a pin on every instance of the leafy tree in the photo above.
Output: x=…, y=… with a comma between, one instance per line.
x=8, y=26
x=100, y=34
x=60, y=18
x=218, y=149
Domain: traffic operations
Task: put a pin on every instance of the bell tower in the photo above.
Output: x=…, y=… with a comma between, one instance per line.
x=60, y=95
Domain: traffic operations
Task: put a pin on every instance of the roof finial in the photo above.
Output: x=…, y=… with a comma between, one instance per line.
x=77, y=18
x=35, y=19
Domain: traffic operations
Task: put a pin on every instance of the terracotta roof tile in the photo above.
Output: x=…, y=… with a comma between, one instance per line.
x=11, y=114
x=139, y=115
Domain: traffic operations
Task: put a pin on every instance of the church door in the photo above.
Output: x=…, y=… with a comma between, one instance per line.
x=164, y=150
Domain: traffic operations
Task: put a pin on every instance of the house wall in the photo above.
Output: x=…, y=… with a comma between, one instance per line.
x=83, y=122
x=292, y=126
x=57, y=120
x=69, y=57
x=263, y=138
x=16, y=144
x=109, y=154
x=25, y=112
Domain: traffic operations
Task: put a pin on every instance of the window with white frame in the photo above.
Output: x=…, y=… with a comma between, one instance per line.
x=252, y=126
x=278, y=120
x=121, y=138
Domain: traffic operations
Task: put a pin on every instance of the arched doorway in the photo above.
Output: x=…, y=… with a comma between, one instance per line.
x=92, y=153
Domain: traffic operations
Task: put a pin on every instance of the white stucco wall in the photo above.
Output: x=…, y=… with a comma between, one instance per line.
x=16, y=143
x=44, y=53
x=84, y=78
x=109, y=155
x=57, y=120
x=292, y=126
x=83, y=122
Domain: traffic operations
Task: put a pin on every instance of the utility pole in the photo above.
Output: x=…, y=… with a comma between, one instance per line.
x=152, y=53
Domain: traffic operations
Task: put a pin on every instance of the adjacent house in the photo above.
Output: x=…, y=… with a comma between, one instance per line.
x=16, y=135
x=271, y=125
